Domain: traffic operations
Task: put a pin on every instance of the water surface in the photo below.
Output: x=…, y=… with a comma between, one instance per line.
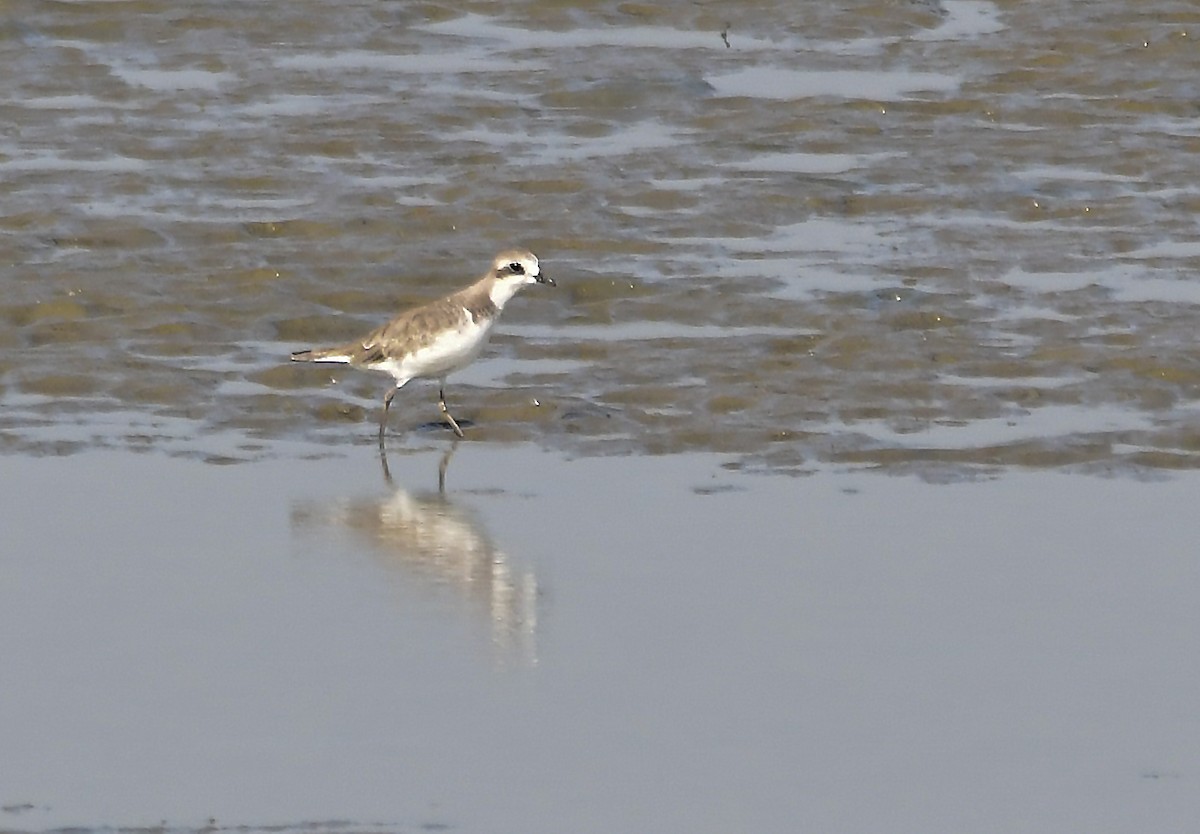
x=305, y=643
x=663, y=587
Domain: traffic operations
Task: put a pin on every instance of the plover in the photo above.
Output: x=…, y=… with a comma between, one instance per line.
x=438, y=338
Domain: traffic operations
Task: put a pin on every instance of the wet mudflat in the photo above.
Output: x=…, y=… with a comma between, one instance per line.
x=303, y=643
x=797, y=246
x=926, y=236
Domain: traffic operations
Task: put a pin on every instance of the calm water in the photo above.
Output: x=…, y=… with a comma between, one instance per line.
x=922, y=236
x=305, y=644
x=951, y=239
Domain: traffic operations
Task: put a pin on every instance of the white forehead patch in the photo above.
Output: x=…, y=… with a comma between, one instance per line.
x=528, y=262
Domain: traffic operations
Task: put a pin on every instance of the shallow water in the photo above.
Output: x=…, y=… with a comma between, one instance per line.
x=305, y=644
x=794, y=233
x=948, y=238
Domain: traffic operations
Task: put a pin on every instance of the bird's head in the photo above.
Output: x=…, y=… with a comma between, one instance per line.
x=513, y=269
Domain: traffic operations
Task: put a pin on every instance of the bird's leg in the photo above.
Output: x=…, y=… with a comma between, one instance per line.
x=387, y=402
x=387, y=472
x=446, y=412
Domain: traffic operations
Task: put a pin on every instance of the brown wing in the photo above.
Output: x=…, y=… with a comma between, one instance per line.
x=409, y=331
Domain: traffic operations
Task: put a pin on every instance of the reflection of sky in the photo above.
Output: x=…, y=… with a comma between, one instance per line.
x=1077, y=423
x=722, y=651
x=786, y=84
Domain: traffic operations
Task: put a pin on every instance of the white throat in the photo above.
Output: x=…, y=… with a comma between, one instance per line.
x=504, y=289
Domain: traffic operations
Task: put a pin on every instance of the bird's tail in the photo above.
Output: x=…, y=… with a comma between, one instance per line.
x=321, y=355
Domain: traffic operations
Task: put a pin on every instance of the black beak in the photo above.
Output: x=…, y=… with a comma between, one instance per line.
x=543, y=278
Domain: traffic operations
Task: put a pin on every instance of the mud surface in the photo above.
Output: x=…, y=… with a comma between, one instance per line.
x=918, y=236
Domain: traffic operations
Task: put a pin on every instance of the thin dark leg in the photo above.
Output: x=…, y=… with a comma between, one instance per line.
x=387, y=402
x=387, y=473
x=446, y=413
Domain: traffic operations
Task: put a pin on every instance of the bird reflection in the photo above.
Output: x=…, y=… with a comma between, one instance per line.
x=441, y=541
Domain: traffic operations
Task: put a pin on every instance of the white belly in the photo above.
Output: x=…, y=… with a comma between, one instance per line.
x=449, y=352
